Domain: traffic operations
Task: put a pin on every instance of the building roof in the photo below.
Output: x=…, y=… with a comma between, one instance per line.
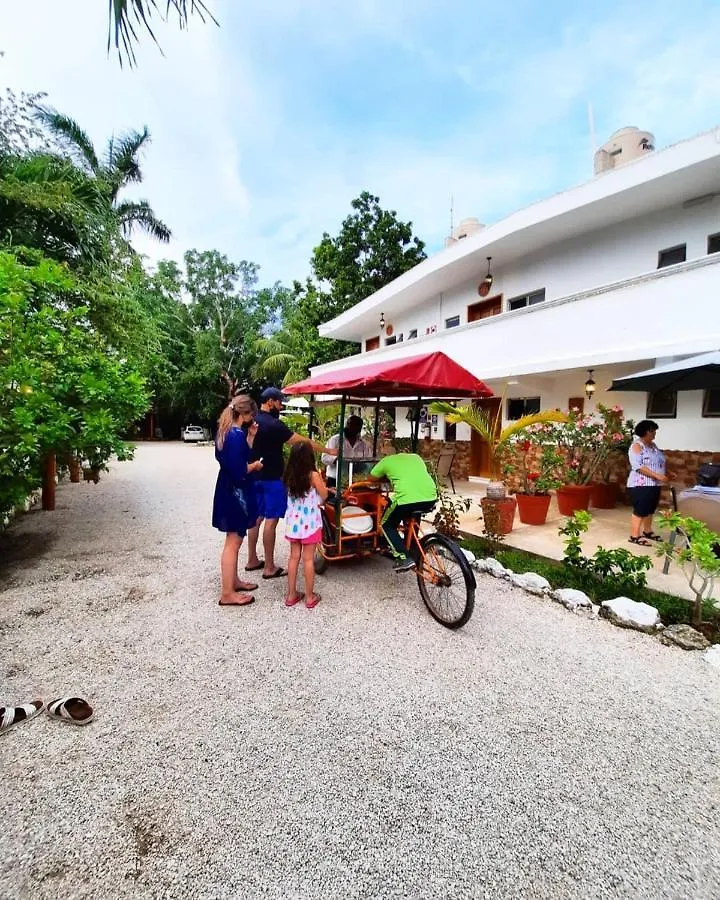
x=661, y=179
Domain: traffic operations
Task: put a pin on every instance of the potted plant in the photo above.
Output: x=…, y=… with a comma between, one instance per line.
x=496, y=503
x=615, y=437
x=536, y=463
x=581, y=451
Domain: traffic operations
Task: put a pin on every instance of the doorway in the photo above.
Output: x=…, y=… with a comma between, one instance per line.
x=480, y=453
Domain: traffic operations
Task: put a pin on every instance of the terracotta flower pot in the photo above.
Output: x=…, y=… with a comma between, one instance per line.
x=500, y=512
x=533, y=508
x=604, y=494
x=75, y=469
x=572, y=497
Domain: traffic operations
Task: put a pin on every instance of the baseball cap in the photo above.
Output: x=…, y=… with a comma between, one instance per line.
x=272, y=393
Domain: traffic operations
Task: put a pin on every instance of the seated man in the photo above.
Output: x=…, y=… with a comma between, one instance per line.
x=413, y=489
x=354, y=447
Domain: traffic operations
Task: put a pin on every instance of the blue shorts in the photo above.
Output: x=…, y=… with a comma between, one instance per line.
x=271, y=499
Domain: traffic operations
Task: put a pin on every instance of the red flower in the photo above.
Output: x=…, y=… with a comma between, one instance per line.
x=525, y=446
x=533, y=476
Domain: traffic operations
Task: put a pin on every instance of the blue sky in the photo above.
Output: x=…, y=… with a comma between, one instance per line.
x=265, y=129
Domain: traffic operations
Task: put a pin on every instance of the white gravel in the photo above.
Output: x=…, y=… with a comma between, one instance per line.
x=356, y=750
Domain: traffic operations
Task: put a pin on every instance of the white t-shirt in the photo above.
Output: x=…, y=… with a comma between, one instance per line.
x=359, y=450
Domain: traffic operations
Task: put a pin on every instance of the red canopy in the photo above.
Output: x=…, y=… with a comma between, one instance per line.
x=432, y=375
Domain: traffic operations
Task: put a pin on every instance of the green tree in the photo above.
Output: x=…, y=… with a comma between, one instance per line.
x=118, y=167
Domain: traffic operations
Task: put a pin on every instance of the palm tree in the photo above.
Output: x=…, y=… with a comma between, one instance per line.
x=487, y=426
x=278, y=360
x=119, y=167
x=126, y=14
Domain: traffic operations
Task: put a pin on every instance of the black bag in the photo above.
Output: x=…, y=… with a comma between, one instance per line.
x=708, y=475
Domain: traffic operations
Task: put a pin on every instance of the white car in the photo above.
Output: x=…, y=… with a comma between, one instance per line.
x=193, y=433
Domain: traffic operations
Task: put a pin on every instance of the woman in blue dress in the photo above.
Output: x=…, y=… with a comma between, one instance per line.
x=234, y=505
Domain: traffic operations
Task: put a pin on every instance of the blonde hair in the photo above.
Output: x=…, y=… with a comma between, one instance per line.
x=240, y=405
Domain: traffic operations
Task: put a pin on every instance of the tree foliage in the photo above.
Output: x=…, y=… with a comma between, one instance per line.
x=128, y=17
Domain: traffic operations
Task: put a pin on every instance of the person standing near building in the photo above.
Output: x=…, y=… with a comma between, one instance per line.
x=270, y=491
x=647, y=476
x=354, y=447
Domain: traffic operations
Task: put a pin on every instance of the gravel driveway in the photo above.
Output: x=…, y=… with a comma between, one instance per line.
x=356, y=750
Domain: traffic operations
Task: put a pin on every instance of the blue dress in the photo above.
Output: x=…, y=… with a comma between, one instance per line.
x=234, y=504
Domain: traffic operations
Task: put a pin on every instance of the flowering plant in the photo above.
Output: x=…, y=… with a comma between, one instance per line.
x=534, y=460
x=616, y=435
x=587, y=443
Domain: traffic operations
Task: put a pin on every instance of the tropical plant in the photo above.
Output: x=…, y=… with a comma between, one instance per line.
x=536, y=463
x=118, y=167
x=616, y=434
x=699, y=558
x=579, y=440
x=128, y=15
x=488, y=426
x=279, y=362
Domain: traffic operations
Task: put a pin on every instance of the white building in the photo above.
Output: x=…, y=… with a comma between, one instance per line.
x=615, y=275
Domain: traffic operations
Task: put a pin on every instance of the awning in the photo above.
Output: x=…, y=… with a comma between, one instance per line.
x=430, y=376
x=696, y=373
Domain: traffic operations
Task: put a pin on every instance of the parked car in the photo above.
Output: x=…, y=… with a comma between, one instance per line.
x=193, y=433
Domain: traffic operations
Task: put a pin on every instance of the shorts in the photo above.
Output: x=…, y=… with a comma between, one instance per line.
x=645, y=500
x=314, y=538
x=271, y=499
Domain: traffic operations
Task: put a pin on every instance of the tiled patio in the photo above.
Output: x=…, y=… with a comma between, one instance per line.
x=610, y=528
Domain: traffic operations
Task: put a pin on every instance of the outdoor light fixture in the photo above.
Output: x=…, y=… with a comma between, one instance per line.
x=382, y=320
x=590, y=385
x=487, y=281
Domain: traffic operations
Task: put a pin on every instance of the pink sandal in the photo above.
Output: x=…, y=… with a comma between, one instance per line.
x=292, y=601
x=312, y=601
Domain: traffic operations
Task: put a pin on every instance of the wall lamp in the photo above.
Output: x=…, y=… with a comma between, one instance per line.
x=590, y=385
x=382, y=320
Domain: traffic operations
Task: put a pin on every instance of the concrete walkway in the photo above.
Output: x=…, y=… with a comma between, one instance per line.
x=357, y=750
x=609, y=528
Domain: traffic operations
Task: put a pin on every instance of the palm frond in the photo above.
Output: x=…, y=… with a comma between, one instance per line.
x=275, y=367
x=71, y=135
x=122, y=163
x=125, y=15
x=468, y=414
x=139, y=213
x=539, y=418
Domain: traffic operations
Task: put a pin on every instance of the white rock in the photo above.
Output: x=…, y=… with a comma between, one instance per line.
x=629, y=614
x=572, y=599
x=469, y=555
x=712, y=655
x=532, y=583
x=492, y=567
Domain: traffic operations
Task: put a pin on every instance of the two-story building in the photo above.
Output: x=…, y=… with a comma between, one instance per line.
x=605, y=279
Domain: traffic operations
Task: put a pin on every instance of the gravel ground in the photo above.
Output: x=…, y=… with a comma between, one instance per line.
x=356, y=750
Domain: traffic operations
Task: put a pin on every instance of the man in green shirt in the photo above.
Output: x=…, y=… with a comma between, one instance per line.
x=413, y=490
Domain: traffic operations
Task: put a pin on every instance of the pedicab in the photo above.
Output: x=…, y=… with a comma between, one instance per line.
x=352, y=514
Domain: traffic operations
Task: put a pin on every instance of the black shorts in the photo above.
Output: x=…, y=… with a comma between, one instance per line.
x=645, y=500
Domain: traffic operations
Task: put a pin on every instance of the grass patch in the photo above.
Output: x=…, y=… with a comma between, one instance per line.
x=672, y=610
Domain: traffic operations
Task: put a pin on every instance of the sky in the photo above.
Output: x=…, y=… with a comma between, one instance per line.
x=266, y=127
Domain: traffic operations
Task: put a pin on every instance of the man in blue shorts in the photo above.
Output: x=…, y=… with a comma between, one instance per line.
x=272, y=435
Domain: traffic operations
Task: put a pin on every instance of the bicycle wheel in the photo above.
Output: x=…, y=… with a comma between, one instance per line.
x=320, y=562
x=446, y=581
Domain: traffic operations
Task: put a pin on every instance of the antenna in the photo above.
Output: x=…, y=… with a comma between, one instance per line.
x=591, y=122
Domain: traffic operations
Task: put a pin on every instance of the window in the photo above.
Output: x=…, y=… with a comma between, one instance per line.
x=450, y=432
x=372, y=343
x=412, y=334
x=452, y=322
x=711, y=403
x=485, y=308
x=714, y=243
x=662, y=405
x=530, y=299
x=577, y=403
x=401, y=337
x=522, y=406
x=672, y=256
x=390, y=341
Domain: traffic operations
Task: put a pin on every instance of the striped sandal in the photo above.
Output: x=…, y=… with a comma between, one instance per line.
x=72, y=710
x=13, y=715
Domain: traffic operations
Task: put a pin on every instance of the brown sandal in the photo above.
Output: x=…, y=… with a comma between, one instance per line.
x=640, y=541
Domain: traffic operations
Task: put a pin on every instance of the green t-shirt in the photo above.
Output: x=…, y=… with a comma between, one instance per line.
x=409, y=477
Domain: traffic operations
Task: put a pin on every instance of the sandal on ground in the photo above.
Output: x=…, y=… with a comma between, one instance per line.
x=246, y=601
x=312, y=601
x=261, y=563
x=651, y=536
x=292, y=601
x=72, y=710
x=640, y=541
x=278, y=573
x=13, y=715
x=246, y=587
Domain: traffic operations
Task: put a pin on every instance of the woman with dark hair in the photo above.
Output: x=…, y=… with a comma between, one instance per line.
x=303, y=521
x=234, y=507
x=647, y=475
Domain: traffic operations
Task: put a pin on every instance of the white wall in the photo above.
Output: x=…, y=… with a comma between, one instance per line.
x=612, y=254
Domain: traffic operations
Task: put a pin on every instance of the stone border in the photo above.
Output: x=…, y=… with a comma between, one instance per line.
x=620, y=611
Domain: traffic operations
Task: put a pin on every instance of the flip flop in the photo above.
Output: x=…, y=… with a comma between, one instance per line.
x=293, y=601
x=312, y=602
x=13, y=715
x=71, y=710
x=260, y=565
x=651, y=536
x=244, y=603
x=278, y=573
x=247, y=587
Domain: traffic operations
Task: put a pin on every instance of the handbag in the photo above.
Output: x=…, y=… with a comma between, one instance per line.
x=708, y=475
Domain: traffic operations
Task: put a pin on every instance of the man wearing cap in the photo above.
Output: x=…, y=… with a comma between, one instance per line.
x=272, y=435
